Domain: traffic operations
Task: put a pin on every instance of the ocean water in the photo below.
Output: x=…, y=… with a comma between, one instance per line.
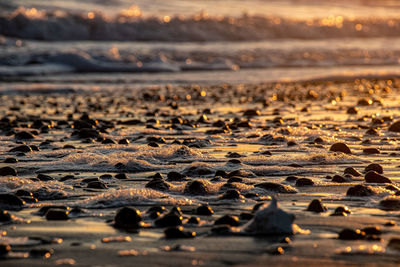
x=99, y=44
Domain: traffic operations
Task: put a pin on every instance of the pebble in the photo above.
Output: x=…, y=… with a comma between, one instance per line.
x=196, y=187
x=178, y=232
x=10, y=160
x=352, y=171
x=158, y=184
x=339, y=179
x=341, y=211
x=175, y=176
x=350, y=234
x=360, y=191
x=374, y=167
x=121, y=176
x=317, y=206
x=395, y=127
x=231, y=194
x=246, y=216
x=390, y=203
x=54, y=214
x=97, y=185
x=304, y=182
x=11, y=202
x=394, y=244
x=276, y=187
x=194, y=220
x=24, y=135
x=371, y=151
x=352, y=110
x=228, y=220
x=8, y=171
x=374, y=177
x=340, y=147
x=22, y=148
x=4, y=249
x=44, y=177
x=5, y=216
x=291, y=179
x=204, y=210
x=128, y=217
x=169, y=220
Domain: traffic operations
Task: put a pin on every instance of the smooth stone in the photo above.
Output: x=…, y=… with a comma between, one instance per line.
x=341, y=210
x=374, y=167
x=339, y=179
x=196, y=187
x=4, y=249
x=121, y=176
x=373, y=230
x=231, y=194
x=340, y=147
x=5, y=216
x=246, y=216
x=10, y=160
x=88, y=133
x=176, y=210
x=371, y=151
x=352, y=110
x=24, y=135
x=178, y=232
x=221, y=173
x=43, y=210
x=317, y=206
x=204, y=210
x=291, y=179
x=158, y=184
x=108, y=141
x=160, y=209
x=169, y=220
x=228, y=220
x=44, y=177
x=234, y=180
x=394, y=243
x=128, y=217
x=350, y=234
x=194, y=220
x=123, y=141
x=22, y=148
x=360, y=191
x=395, y=127
x=97, y=185
x=352, y=171
x=276, y=187
x=242, y=173
x=175, y=176
x=7, y=171
x=57, y=214
x=10, y=202
x=304, y=182
x=390, y=203
x=374, y=177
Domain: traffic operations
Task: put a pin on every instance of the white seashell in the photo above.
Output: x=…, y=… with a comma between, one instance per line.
x=271, y=220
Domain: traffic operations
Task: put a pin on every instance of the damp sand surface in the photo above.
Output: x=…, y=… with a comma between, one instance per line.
x=227, y=138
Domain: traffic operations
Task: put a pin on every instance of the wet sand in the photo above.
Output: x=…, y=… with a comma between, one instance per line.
x=269, y=132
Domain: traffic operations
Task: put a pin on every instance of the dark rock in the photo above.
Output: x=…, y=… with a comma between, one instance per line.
x=178, y=232
x=374, y=167
x=390, y=203
x=231, y=194
x=158, y=184
x=228, y=220
x=123, y=141
x=352, y=171
x=22, y=148
x=371, y=151
x=352, y=110
x=394, y=244
x=108, y=141
x=97, y=185
x=6, y=171
x=10, y=160
x=175, y=176
x=317, y=206
x=194, y=220
x=234, y=161
x=57, y=214
x=291, y=179
x=121, y=176
x=128, y=217
x=339, y=179
x=234, y=180
x=43, y=210
x=106, y=176
x=169, y=220
x=44, y=177
x=24, y=135
x=251, y=113
x=5, y=216
x=242, y=173
x=349, y=234
x=10, y=202
x=341, y=211
x=221, y=173
x=41, y=253
x=360, y=191
x=153, y=144
x=160, y=209
x=304, y=182
x=374, y=177
x=204, y=210
x=340, y=147
x=4, y=249
x=88, y=133
x=373, y=230
x=176, y=210
x=395, y=127
x=275, y=187
x=196, y=187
